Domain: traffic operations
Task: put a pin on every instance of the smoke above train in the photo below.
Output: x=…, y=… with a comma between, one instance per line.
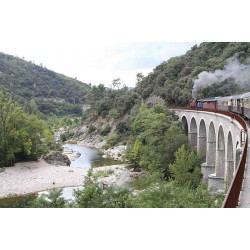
x=233, y=70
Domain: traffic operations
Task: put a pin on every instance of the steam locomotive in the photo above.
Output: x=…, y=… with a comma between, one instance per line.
x=239, y=104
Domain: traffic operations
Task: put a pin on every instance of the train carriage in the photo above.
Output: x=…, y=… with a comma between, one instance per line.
x=225, y=103
x=210, y=103
x=246, y=104
x=239, y=104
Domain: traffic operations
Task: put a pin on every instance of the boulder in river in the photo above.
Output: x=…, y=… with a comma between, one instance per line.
x=57, y=158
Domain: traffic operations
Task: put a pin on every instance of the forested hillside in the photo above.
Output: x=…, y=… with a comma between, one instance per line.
x=53, y=93
x=171, y=83
x=173, y=80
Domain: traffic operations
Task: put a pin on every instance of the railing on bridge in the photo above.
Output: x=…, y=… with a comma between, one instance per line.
x=233, y=194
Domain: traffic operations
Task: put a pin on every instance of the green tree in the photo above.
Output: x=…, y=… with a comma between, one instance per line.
x=139, y=78
x=114, y=114
x=97, y=195
x=174, y=138
x=21, y=136
x=160, y=137
x=185, y=170
x=116, y=83
x=136, y=153
x=149, y=126
x=53, y=199
x=165, y=194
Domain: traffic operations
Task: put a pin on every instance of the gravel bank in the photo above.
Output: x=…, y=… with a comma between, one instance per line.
x=30, y=177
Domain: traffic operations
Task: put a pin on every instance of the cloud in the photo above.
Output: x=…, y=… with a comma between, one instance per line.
x=100, y=62
x=136, y=56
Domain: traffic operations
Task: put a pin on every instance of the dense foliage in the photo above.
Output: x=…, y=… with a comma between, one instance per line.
x=112, y=103
x=113, y=108
x=186, y=168
x=52, y=92
x=22, y=136
x=156, y=136
x=157, y=193
x=173, y=80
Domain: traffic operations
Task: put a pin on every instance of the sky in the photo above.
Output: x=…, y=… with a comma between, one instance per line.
x=97, y=41
x=86, y=40
x=100, y=63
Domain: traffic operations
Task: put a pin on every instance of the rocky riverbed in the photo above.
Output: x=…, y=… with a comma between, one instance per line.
x=94, y=140
x=73, y=155
x=114, y=152
x=31, y=177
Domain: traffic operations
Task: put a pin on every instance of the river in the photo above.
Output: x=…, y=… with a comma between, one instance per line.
x=90, y=157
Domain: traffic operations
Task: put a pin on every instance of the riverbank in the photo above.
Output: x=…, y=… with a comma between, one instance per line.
x=31, y=177
x=114, y=152
x=73, y=155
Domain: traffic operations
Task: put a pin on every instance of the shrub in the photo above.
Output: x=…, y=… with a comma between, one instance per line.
x=103, y=173
x=105, y=130
x=112, y=141
x=91, y=129
x=141, y=183
x=96, y=195
x=122, y=127
x=66, y=136
x=104, y=113
x=53, y=199
x=113, y=113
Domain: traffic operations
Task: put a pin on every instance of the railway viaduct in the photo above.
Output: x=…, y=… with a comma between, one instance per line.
x=220, y=138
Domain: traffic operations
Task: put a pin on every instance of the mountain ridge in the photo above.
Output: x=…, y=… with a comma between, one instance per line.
x=26, y=80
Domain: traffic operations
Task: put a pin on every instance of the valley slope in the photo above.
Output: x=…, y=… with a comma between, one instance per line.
x=53, y=93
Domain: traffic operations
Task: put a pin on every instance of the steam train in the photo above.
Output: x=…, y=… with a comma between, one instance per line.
x=239, y=104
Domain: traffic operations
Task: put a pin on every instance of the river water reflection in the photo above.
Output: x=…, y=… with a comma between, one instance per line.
x=90, y=157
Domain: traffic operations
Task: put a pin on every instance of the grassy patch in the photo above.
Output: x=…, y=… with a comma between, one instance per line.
x=109, y=161
x=103, y=173
x=141, y=183
x=129, y=167
x=72, y=142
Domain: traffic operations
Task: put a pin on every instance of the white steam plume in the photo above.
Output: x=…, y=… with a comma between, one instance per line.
x=233, y=70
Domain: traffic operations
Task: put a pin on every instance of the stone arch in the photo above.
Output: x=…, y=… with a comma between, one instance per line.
x=220, y=164
x=193, y=132
x=184, y=125
x=202, y=138
x=230, y=158
x=211, y=145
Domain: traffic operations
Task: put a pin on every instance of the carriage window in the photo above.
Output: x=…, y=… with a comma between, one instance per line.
x=247, y=102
